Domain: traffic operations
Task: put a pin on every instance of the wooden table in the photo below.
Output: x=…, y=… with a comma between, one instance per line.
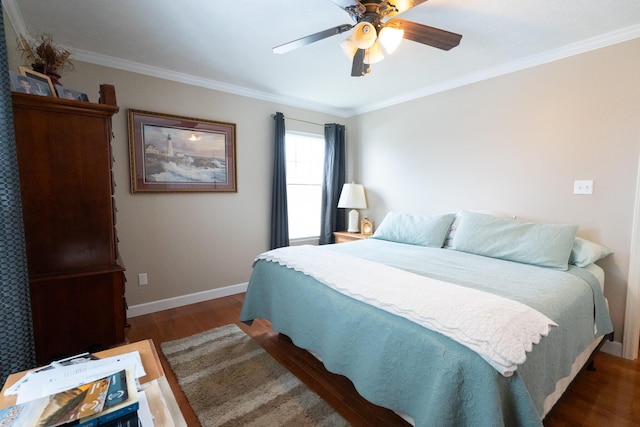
x=164, y=407
x=346, y=236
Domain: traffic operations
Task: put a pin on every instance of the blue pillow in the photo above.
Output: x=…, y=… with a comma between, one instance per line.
x=414, y=229
x=546, y=245
x=585, y=252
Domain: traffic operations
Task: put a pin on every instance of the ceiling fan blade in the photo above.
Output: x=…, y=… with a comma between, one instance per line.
x=424, y=34
x=312, y=38
x=346, y=4
x=396, y=7
x=354, y=8
x=359, y=68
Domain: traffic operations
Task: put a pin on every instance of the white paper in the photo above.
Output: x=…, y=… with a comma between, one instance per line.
x=63, y=378
x=78, y=358
x=144, y=410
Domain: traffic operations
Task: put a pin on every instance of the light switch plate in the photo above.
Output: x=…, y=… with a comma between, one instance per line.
x=583, y=186
x=142, y=279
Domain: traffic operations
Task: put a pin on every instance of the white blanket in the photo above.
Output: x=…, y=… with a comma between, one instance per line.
x=500, y=330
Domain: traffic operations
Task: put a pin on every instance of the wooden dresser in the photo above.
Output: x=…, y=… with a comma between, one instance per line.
x=76, y=278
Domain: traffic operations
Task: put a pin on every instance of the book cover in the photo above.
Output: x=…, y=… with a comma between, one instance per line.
x=58, y=409
x=89, y=405
x=117, y=391
x=26, y=414
x=121, y=399
x=129, y=420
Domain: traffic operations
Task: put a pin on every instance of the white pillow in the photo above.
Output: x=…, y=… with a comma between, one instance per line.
x=585, y=252
x=414, y=229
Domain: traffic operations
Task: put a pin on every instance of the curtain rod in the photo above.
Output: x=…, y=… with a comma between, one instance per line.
x=299, y=120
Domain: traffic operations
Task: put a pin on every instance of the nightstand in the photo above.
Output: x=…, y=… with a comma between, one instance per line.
x=345, y=236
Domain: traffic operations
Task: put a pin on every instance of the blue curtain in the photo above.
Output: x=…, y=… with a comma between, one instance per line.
x=279, y=212
x=333, y=180
x=17, y=349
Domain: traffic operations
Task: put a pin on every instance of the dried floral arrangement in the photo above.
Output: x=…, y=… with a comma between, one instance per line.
x=44, y=55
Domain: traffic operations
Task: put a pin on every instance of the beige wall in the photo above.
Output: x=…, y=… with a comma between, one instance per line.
x=515, y=144
x=189, y=243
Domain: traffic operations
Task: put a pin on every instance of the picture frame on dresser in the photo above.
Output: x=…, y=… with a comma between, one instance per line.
x=66, y=93
x=170, y=153
x=40, y=83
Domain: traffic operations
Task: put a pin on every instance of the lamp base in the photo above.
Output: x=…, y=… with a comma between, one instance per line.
x=354, y=223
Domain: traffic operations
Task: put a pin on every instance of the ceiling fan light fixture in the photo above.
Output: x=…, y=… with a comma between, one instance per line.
x=390, y=38
x=364, y=35
x=373, y=54
x=348, y=47
x=373, y=30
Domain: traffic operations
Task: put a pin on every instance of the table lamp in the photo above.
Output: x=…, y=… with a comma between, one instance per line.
x=352, y=197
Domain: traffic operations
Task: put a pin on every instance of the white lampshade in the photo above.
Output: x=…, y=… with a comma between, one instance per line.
x=352, y=197
x=364, y=35
x=390, y=38
x=373, y=54
x=348, y=47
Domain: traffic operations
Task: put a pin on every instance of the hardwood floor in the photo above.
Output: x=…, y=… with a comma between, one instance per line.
x=608, y=396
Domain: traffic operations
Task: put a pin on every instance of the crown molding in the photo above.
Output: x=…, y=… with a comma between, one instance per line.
x=12, y=11
x=15, y=17
x=17, y=21
x=148, y=70
x=573, y=49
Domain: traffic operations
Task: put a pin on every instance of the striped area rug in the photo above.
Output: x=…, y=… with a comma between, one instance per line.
x=230, y=380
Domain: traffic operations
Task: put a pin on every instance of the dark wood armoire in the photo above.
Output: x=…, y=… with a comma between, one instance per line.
x=75, y=274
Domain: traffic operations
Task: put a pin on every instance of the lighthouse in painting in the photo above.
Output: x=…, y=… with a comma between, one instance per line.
x=169, y=146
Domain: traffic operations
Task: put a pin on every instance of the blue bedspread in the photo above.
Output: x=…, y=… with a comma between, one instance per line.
x=405, y=367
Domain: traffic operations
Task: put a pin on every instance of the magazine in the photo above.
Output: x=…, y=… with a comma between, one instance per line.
x=90, y=404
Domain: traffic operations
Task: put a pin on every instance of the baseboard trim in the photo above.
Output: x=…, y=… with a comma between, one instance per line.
x=165, y=304
x=612, y=347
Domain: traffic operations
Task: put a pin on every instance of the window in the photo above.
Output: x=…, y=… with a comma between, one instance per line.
x=305, y=168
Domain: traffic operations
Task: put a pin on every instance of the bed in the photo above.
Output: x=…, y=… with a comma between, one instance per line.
x=388, y=313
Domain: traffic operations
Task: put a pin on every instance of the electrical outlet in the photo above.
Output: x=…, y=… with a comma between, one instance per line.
x=583, y=186
x=142, y=279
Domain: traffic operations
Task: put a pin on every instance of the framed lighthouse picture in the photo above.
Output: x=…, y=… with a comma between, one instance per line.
x=171, y=153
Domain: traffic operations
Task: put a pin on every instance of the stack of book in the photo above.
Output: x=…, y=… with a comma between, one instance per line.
x=109, y=401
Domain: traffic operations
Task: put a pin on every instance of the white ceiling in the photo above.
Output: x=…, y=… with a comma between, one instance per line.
x=226, y=45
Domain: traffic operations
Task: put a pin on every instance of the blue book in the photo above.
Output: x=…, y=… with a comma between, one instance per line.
x=121, y=400
x=102, y=420
x=62, y=408
x=130, y=420
x=117, y=391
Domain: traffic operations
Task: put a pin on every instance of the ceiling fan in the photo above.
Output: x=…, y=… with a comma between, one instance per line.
x=373, y=32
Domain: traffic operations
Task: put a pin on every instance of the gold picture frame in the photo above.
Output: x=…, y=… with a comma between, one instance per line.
x=170, y=153
x=41, y=82
x=366, y=227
